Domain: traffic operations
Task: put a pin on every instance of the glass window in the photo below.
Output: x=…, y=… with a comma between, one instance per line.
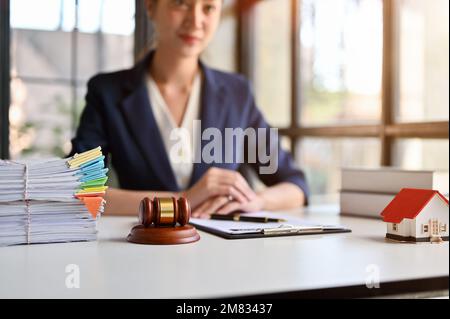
x=323, y=158
x=222, y=51
x=51, y=61
x=422, y=56
x=40, y=119
x=36, y=15
x=341, y=62
x=272, y=60
x=101, y=52
x=108, y=16
x=32, y=54
x=421, y=154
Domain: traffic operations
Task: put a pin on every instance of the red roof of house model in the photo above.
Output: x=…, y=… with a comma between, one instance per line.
x=408, y=204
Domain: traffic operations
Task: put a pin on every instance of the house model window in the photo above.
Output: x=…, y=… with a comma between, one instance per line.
x=395, y=227
x=444, y=228
x=424, y=228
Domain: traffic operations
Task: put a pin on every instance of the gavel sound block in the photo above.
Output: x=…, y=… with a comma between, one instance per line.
x=164, y=221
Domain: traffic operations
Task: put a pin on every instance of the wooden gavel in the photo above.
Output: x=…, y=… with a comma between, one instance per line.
x=164, y=212
x=164, y=221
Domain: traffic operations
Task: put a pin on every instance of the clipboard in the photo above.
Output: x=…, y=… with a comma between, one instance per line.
x=246, y=230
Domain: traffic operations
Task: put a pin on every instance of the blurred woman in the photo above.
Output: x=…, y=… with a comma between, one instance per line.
x=134, y=113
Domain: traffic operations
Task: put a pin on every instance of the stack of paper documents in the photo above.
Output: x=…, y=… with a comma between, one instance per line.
x=366, y=192
x=55, y=200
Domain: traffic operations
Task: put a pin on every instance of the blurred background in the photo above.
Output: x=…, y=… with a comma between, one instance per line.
x=349, y=83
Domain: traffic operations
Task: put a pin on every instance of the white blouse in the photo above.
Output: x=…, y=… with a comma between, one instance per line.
x=179, y=150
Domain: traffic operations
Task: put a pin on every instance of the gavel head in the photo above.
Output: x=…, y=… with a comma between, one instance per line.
x=164, y=212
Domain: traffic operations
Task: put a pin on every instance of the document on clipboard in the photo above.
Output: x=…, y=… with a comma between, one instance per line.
x=292, y=226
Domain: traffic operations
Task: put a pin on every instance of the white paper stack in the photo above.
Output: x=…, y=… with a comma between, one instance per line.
x=49, y=201
x=366, y=192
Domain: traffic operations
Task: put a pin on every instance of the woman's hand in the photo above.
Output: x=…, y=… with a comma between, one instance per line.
x=222, y=183
x=222, y=205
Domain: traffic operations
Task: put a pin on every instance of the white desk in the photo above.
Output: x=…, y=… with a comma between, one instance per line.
x=215, y=267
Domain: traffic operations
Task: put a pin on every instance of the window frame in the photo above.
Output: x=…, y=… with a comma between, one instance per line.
x=4, y=77
x=73, y=83
x=388, y=130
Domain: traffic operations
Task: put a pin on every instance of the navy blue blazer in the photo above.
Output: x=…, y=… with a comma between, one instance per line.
x=119, y=118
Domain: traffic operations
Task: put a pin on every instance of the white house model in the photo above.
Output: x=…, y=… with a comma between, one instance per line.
x=417, y=215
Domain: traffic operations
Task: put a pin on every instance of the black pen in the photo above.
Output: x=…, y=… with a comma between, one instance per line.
x=253, y=219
